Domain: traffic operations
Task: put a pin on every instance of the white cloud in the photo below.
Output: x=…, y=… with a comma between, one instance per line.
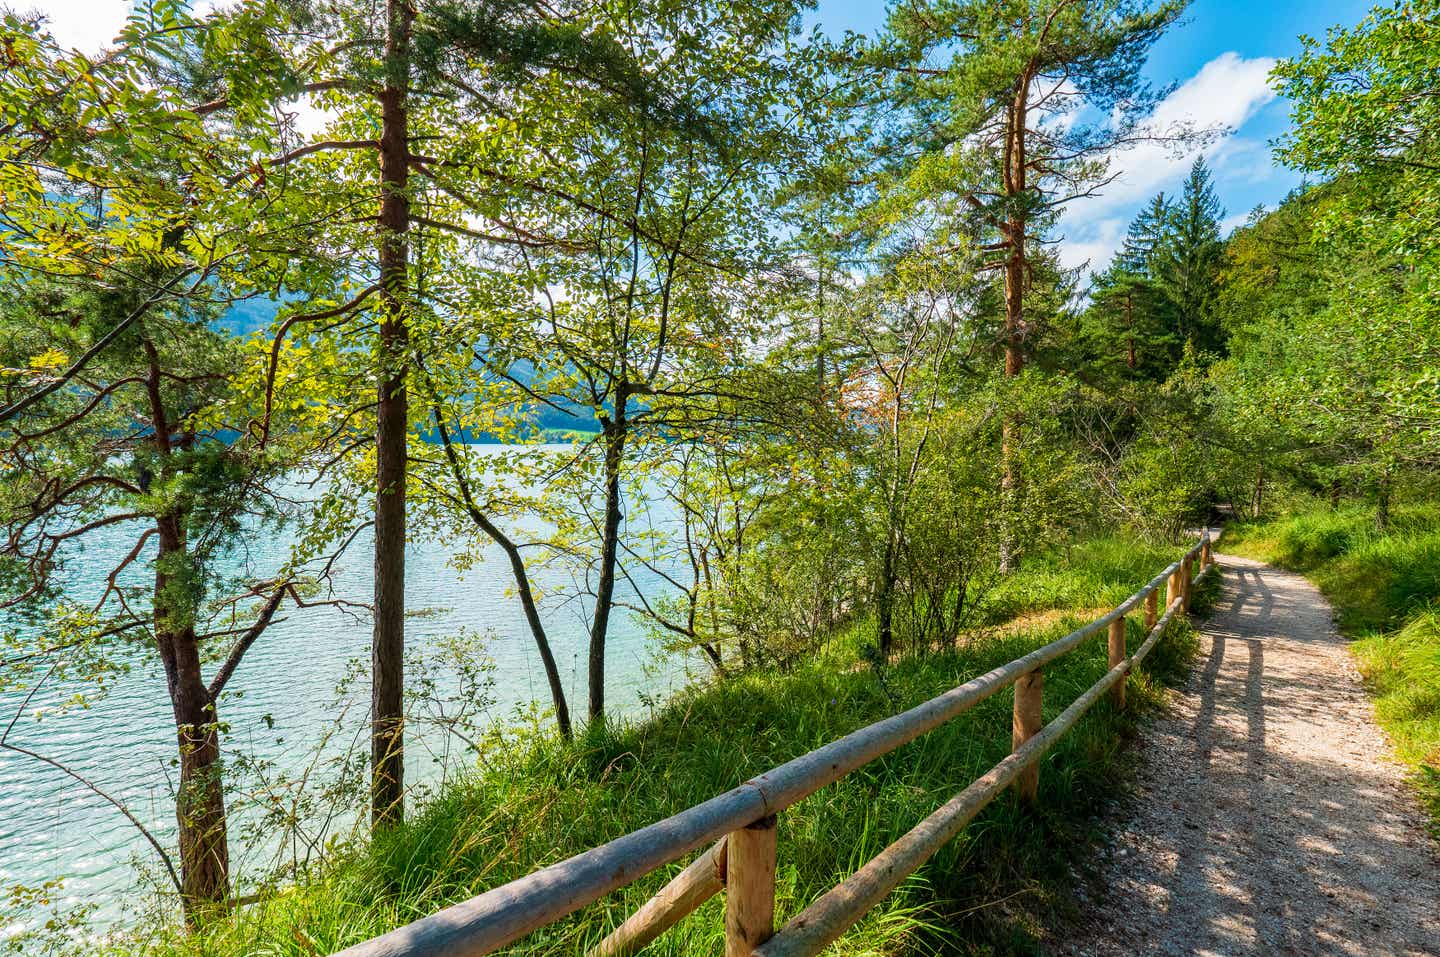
x=1222, y=97
x=1103, y=238
x=1233, y=222
x=91, y=25
x=86, y=25
x=1226, y=94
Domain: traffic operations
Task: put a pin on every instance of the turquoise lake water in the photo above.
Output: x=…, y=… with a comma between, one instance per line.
x=279, y=704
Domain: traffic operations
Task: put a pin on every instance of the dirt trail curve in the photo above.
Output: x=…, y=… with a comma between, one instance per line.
x=1269, y=817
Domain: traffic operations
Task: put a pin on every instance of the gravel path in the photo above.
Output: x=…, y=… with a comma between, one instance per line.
x=1269, y=817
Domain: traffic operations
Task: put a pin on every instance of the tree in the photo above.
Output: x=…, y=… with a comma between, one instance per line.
x=907, y=334
x=1188, y=262
x=125, y=408
x=1146, y=237
x=392, y=426
x=1158, y=297
x=1337, y=352
x=997, y=97
x=1130, y=318
x=1126, y=325
x=452, y=199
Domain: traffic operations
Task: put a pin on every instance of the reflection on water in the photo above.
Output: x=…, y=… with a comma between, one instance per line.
x=276, y=705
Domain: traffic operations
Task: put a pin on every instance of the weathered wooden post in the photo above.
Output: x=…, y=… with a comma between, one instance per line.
x=1187, y=577
x=750, y=887
x=1027, y=721
x=1117, y=655
x=1152, y=611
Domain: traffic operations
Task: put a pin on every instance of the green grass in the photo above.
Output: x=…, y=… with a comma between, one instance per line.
x=995, y=890
x=1101, y=572
x=1386, y=591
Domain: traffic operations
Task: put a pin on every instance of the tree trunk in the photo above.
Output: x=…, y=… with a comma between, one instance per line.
x=1014, y=331
x=885, y=599
x=711, y=647
x=1382, y=504
x=962, y=589
x=200, y=800
x=537, y=631
x=1130, y=357
x=517, y=570
x=820, y=331
x=614, y=433
x=387, y=737
x=532, y=618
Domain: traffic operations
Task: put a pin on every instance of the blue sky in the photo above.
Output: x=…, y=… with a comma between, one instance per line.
x=1219, y=55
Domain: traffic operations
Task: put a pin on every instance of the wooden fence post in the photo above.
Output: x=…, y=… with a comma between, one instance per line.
x=1152, y=611
x=750, y=887
x=696, y=884
x=1117, y=655
x=1186, y=578
x=1027, y=722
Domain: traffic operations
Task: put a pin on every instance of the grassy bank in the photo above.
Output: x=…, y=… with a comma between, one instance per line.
x=993, y=891
x=1385, y=587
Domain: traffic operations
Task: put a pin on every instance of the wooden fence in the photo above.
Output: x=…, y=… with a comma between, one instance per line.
x=737, y=828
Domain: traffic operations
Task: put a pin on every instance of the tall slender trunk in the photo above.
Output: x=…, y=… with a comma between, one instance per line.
x=820, y=331
x=1014, y=331
x=387, y=736
x=614, y=435
x=1382, y=503
x=1130, y=357
x=885, y=599
x=517, y=570
x=711, y=648
x=962, y=589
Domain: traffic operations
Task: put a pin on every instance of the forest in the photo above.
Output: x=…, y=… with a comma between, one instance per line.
x=686, y=318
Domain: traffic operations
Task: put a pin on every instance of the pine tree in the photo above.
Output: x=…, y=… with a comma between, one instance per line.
x=1129, y=324
x=1189, y=263
x=998, y=94
x=1130, y=321
x=1146, y=236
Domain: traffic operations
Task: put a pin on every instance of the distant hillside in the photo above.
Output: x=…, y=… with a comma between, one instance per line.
x=251, y=315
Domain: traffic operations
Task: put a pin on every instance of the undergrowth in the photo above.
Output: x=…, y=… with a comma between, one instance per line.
x=1100, y=573
x=1385, y=586
x=994, y=890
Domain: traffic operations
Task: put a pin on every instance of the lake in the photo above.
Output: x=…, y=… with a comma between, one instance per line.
x=278, y=705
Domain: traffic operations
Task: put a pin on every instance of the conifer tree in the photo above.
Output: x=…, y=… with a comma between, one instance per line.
x=1189, y=261
x=1129, y=321
x=1146, y=237
x=995, y=98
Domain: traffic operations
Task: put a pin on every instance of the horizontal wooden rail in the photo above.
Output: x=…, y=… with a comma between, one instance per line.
x=820, y=924
x=504, y=914
x=696, y=884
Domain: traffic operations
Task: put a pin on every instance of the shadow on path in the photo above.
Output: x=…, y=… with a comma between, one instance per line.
x=1269, y=817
